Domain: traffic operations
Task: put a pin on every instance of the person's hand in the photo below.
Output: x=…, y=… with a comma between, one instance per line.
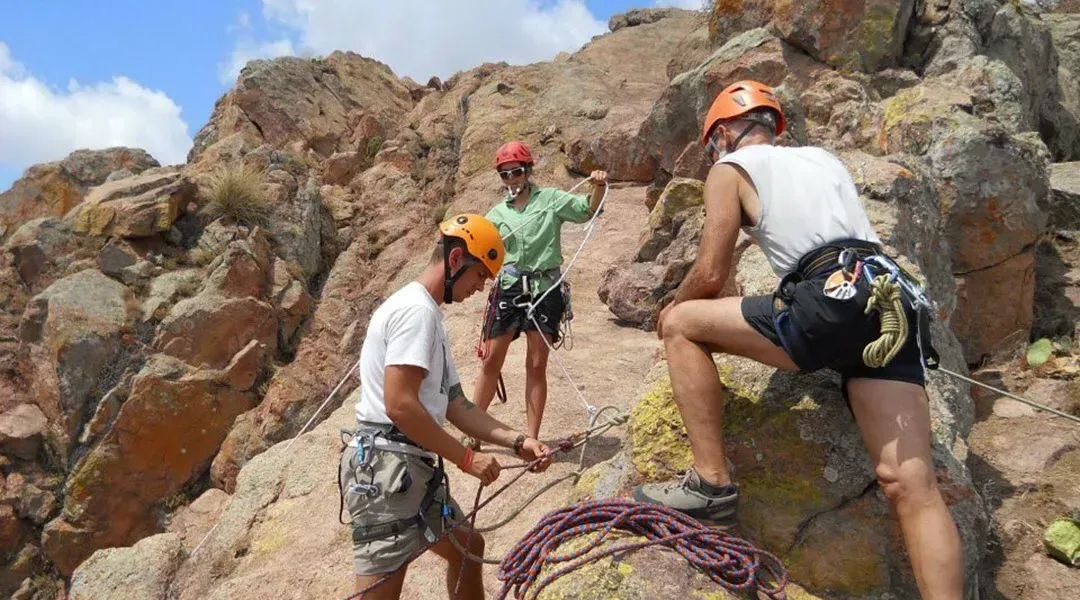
x=598, y=178
x=485, y=468
x=532, y=449
x=660, y=320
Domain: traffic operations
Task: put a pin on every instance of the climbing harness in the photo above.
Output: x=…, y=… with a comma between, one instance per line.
x=890, y=287
x=367, y=441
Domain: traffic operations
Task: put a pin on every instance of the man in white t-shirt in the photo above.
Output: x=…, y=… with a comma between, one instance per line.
x=801, y=207
x=392, y=478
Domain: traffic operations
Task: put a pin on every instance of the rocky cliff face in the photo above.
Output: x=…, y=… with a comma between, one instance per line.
x=160, y=340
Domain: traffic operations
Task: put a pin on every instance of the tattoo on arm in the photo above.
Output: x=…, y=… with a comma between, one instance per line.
x=456, y=394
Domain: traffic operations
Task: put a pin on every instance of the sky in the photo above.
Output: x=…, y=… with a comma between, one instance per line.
x=93, y=74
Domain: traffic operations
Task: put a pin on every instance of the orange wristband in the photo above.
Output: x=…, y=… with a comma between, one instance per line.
x=466, y=463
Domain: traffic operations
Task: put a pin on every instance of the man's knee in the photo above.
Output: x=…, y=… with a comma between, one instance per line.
x=911, y=481
x=676, y=323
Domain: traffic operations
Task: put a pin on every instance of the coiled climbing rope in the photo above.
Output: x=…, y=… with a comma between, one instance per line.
x=886, y=297
x=729, y=561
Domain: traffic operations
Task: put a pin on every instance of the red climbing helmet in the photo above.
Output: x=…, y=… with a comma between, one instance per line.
x=513, y=152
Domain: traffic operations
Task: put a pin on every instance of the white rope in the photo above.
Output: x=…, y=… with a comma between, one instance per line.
x=323, y=405
x=589, y=408
x=531, y=310
x=289, y=445
x=544, y=212
x=589, y=228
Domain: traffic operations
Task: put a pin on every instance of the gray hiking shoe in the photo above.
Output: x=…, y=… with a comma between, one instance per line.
x=687, y=496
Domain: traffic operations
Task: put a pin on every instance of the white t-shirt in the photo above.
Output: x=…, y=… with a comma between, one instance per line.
x=808, y=199
x=406, y=329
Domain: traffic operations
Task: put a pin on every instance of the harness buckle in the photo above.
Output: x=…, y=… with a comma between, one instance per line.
x=522, y=300
x=369, y=490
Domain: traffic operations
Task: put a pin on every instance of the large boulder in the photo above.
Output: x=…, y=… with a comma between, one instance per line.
x=1042, y=96
x=138, y=206
x=75, y=330
x=1025, y=43
x=141, y=572
x=230, y=310
x=994, y=196
x=577, y=113
x=673, y=128
x=164, y=435
x=52, y=189
x=805, y=478
x=300, y=106
x=865, y=36
x=322, y=358
x=280, y=515
x=635, y=289
x=21, y=430
x=44, y=250
x=1065, y=183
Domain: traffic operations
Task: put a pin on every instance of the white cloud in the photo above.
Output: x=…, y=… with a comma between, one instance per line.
x=687, y=4
x=420, y=38
x=248, y=49
x=39, y=123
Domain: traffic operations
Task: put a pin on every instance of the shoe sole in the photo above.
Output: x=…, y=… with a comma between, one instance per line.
x=702, y=516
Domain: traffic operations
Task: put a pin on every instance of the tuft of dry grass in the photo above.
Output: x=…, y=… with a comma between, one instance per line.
x=237, y=192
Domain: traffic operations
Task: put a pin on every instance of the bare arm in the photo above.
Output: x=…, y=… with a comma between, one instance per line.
x=599, y=181
x=723, y=215
x=402, y=396
x=477, y=423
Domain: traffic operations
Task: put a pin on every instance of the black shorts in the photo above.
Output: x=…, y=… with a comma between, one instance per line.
x=508, y=317
x=821, y=332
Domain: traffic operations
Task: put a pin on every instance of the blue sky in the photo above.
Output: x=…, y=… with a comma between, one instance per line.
x=77, y=74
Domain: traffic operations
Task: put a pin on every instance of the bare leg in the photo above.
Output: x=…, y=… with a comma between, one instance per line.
x=471, y=573
x=536, y=380
x=488, y=379
x=894, y=418
x=391, y=590
x=692, y=331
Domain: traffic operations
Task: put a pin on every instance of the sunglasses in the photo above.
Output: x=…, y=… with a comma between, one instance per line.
x=512, y=172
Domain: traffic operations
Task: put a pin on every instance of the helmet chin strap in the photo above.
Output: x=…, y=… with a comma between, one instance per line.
x=721, y=153
x=448, y=279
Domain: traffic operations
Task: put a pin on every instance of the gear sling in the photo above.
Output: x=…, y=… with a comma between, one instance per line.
x=806, y=319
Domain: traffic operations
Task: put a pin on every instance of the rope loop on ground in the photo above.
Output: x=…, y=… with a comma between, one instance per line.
x=731, y=562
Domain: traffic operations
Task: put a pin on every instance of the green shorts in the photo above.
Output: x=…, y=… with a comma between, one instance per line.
x=402, y=482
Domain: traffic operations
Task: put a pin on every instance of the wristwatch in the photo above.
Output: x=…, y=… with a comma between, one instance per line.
x=519, y=442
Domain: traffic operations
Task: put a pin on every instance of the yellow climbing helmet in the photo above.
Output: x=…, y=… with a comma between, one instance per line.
x=482, y=239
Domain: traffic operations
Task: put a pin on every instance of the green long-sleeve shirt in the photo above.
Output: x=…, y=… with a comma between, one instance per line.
x=536, y=242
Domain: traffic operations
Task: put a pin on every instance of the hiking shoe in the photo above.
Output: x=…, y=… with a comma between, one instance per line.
x=687, y=496
x=470, y=442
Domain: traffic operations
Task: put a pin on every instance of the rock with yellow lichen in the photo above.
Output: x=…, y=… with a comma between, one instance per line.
x=807, y=488
x=640, y=575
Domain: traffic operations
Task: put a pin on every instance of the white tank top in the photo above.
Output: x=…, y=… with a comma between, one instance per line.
x=807, y=199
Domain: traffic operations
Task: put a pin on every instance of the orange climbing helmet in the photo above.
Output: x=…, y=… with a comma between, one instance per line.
x=738, y=99
x=482, y=239
x=513, y=152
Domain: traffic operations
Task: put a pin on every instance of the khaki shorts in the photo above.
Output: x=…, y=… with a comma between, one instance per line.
x=402, y=481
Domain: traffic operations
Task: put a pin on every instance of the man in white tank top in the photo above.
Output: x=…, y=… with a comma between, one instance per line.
x=801, y=207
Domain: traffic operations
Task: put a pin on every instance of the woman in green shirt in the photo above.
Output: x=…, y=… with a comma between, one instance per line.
x=530, y=220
